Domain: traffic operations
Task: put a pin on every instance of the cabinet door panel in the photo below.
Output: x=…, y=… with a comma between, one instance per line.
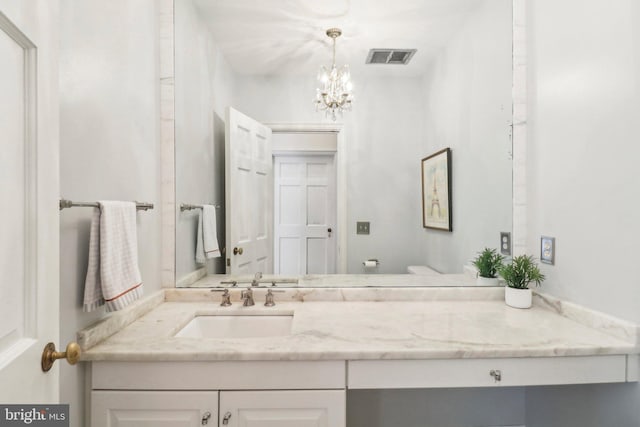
x=153, y=408
x=317, y=408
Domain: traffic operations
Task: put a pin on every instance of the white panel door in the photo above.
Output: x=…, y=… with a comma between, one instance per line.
x=248, y=194
x=29, y=189
x=153, y=408
x=305, y=215
x=312, y=408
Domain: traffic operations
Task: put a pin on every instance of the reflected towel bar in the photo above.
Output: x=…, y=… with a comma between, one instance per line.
x=64, y=203
x=188, y=207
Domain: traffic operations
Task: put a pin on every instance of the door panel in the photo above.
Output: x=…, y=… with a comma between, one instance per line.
x=153, y=408
x=305, y=201
x=313, y=408
x=249, y=195
x=12, y=170
x=317, y=201
x=29, y=186
x=317, y=256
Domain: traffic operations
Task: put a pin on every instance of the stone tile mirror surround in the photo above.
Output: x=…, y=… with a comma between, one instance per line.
x=169, y=148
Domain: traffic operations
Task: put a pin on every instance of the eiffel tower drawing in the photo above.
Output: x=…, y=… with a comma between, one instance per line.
x=435, y=200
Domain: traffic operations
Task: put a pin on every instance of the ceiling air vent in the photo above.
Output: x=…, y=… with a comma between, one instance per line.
x=390, y=56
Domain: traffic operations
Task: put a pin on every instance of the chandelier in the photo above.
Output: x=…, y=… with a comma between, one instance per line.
x=334, y=94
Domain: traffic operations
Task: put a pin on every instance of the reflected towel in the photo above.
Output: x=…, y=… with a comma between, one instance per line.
x=113, y=277
x=207, y=237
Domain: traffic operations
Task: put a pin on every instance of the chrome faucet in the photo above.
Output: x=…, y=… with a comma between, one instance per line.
x=256, y=279
x=247, y=298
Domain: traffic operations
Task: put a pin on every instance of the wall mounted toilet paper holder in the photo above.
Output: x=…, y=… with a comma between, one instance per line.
x=371, y=263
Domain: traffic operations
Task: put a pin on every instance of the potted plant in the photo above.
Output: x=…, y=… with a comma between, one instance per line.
x=488, y=262
x=518, y=274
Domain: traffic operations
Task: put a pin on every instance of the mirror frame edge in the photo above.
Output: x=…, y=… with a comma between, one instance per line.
x=166, y=44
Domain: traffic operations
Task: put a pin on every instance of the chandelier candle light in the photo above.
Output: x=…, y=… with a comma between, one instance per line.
x=335, y=92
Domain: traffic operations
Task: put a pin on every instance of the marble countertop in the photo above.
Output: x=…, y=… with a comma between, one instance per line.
x=352, y=324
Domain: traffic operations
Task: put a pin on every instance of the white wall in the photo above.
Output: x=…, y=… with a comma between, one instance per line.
x=584, y=109
x=204, y=87
x=109, y=147
x=583, y=115
x=383, y=143
x=468, y=108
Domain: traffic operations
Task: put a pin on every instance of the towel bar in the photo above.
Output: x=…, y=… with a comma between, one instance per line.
x=188, y=207
x=64, y=203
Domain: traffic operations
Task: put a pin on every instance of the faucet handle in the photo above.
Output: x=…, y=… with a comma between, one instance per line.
x=269, y=301
x=247, y=297
x=226, y=297
x=256, y=279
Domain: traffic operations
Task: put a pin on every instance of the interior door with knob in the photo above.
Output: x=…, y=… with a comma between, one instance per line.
x=29, y=189
x=248, y=194
x=305, y=214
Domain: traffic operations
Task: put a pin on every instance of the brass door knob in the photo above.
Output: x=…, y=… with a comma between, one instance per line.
x=237, y=251
x=50, y=355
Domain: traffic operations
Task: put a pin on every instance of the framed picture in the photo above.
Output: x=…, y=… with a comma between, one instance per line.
x=436, y=191
x=548, y=250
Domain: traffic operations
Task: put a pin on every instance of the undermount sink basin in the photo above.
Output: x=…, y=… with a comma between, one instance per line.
x=237, y=326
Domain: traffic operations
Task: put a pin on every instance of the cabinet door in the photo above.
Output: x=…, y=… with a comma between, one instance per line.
x=317, y=408
x=154, y=408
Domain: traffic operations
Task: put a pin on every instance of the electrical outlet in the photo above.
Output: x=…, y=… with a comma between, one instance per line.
x=505, y=243
x=362, y=227
x=548, y=250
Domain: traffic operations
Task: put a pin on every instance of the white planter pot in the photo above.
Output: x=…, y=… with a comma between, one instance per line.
x=486, y=281
x=518, y=298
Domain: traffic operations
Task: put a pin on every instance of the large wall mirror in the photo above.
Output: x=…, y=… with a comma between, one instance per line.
x=356, y=181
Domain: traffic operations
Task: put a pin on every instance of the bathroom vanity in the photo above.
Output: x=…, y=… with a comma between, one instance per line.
x=144, y=369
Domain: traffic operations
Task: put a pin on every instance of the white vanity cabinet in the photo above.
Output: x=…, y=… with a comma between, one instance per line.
x=234, y=394
x=308, y=408
x=116, y=408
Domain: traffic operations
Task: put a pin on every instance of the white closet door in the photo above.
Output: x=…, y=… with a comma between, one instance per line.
x=29, y=189
x=305, y=215
x=249, y=195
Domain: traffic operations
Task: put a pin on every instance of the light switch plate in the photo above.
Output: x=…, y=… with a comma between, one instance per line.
x=362, y=227
x=505, y=243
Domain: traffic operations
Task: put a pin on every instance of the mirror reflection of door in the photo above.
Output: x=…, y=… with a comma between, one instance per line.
x=249, y=195
x=304, y=213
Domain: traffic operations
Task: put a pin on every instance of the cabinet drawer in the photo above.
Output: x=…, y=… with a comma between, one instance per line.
x=372, y=374
x=250, y=375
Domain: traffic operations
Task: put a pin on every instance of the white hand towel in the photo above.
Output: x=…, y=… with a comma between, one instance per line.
x=207, y=237
x=113, y=276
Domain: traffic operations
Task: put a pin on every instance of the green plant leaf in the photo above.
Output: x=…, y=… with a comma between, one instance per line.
x=488, y=262
x=521, y=271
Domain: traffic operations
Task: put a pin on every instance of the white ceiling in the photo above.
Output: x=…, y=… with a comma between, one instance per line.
x=268, y=37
